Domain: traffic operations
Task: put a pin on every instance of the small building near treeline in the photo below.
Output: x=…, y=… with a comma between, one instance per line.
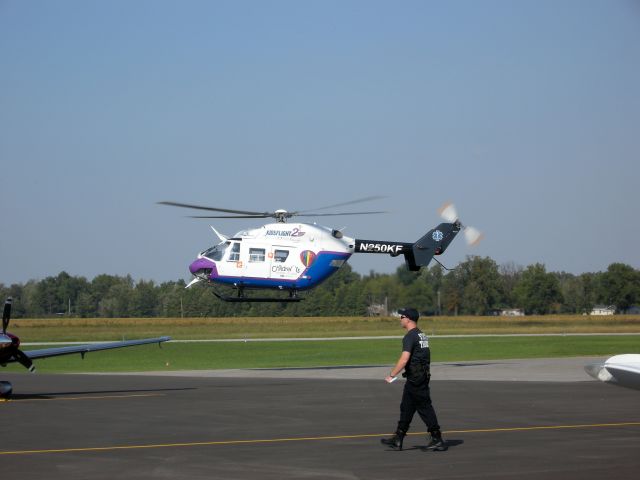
x=603, y=310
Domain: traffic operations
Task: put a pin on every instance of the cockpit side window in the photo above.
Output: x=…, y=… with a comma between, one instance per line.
x=234, y=256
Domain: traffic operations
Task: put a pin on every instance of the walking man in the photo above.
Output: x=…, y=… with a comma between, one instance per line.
x=415, y=360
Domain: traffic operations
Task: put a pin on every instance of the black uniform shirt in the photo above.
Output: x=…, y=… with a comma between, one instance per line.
x=417, y=344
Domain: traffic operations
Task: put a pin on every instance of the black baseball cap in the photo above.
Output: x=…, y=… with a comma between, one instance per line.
x=410, y=313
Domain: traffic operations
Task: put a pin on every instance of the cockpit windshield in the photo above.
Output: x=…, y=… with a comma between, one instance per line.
x=217, y=252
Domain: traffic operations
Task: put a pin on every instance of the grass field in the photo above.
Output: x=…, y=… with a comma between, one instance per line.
x=214, y=355
x=179, y=356
x=55, y=330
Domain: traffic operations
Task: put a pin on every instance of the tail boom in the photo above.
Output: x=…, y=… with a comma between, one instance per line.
x=418, y=254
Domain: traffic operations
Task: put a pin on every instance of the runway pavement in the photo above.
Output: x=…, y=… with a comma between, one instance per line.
x=529, y=370
x=271, y=425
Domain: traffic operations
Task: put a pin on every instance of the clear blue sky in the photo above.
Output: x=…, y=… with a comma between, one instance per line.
x=525, y=114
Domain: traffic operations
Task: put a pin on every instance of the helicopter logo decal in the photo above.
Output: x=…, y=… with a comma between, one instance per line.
x=296, y=232
x=437, y=236
x=307, y=258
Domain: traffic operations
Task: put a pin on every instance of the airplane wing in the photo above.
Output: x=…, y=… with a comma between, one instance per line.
x=625, y=375
x=82, y=349
x=622, y=370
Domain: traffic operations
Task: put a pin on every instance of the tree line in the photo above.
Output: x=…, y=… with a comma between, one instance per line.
x=477, y=286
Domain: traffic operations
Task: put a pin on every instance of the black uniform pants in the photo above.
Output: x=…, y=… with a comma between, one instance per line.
x=417, y=397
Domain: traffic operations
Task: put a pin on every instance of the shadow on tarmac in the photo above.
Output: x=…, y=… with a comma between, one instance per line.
x=45, y=396
x=423, y=448
x=448, y=443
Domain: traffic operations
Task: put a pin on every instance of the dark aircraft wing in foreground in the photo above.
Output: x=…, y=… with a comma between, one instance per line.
x=9, y=353
x=82, y=349
x=10, y=348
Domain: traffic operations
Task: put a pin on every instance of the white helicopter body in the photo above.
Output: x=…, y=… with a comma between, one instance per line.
x=291, y=256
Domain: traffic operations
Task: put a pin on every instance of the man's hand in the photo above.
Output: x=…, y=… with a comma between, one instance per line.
x=402, y=362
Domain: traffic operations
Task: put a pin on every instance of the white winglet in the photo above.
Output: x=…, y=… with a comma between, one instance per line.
x=223, y=238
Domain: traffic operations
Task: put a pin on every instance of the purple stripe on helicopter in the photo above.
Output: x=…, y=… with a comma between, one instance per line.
x=324, y=265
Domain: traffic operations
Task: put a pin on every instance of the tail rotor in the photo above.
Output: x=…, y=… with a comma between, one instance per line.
x=472, y=235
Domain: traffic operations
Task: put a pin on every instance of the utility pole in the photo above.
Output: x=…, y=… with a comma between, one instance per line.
x=439, y=309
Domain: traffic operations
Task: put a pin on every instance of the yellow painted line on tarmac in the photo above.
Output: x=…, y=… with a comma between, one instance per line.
x=305, y=439
x=548, y=427
x=103, y=397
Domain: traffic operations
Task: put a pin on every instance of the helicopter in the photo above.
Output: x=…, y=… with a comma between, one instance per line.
x=10, y=349
x=294, y=257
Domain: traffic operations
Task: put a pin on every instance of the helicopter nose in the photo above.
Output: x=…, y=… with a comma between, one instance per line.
x=201, y=264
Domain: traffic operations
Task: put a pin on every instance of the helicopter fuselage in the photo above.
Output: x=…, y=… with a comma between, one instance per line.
x=282, y=256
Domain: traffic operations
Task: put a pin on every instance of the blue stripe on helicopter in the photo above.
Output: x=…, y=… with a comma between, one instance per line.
x=325, y=264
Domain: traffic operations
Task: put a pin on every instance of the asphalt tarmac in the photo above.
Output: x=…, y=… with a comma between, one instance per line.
x=270, y=426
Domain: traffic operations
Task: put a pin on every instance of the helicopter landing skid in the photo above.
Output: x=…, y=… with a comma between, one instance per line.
x=242, y=298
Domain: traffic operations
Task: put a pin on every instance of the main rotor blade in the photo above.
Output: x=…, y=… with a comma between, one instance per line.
x=6, y=314
x=359, y=200
x=336, y=214
x=231, y=216
x=212, y=209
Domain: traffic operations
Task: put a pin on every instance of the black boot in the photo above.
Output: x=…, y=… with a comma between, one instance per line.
x=437, y=444
x=394, y=442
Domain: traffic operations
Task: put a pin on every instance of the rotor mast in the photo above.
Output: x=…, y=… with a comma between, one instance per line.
x=281, y=215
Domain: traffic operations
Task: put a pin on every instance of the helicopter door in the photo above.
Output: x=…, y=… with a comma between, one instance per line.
x=283, y=263
x=256, y=265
